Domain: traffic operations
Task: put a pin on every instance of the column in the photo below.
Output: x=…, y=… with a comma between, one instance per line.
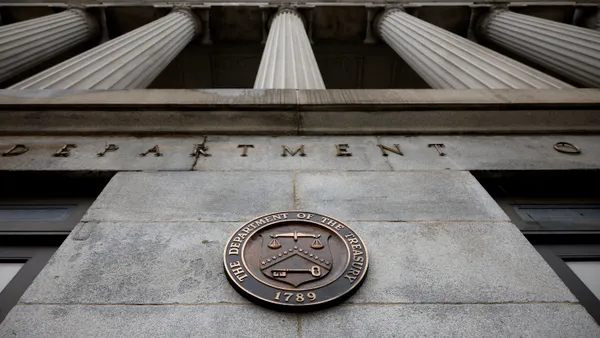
x=130, y=61
x=447, y=61
x=571, y=51
x=288, y=60
x=29, y=43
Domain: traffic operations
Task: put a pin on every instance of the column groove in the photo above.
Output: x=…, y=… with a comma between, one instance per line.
x=130, y=61
x=288, y=60
x=446, y=60
x=571, y=51
x=26, y=44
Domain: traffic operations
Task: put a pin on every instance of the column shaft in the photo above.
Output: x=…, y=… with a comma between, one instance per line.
x=130, y=61
x=29, y=43
x=571, y=51
x=288, y=60
x=446, y=60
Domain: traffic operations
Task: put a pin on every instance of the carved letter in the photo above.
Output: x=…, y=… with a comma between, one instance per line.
x=65, y=150
x=107, y=148
x=395, y=151
x=245, y=151
x=342, y=150
x=286, y=149
x=200, y=149
x=438, y=147
x=154, y=150
x=16, y=150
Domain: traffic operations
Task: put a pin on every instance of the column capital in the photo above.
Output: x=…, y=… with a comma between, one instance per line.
x=485, y=19
x=383, y=14
x=91, y=22
x=287, y=9
x=188, y=11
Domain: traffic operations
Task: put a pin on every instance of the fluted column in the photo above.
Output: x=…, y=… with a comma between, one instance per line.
x=447, y=61
x=288, y=60
x=29, y=43
x=130, y=61
x=571, y=51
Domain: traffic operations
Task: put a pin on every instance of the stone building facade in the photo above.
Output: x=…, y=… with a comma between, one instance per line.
x=460, y=140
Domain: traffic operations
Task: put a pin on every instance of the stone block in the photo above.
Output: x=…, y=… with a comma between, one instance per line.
x=397, y=196
x=139, y=263
x=192, y=196
x=443, y=262
x=520, y=152
x=181, y=263
x=93, y=321
x=443, y=320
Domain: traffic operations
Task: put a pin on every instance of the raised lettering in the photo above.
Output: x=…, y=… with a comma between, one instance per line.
x=350, y=278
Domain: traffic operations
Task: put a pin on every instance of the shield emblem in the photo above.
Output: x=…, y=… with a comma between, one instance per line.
x=296, y=257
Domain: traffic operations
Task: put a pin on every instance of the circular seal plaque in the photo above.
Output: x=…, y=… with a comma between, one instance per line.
x=295, y=260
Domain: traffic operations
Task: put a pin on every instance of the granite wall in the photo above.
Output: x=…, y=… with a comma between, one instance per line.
x=146, y=260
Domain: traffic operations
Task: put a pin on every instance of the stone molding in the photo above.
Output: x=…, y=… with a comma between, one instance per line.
x=300, y=112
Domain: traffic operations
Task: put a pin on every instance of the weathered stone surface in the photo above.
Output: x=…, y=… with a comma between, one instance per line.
x=438, y=121
x=139, y=263
x=311, y=99
x=499, y=320
x=520, y=152
x=152, y=122
x=416, y=154
x=147, y=321
x=320, y=154
x=192, y=196
x=180, y=263
x=201, y=98
x=396, y=196
x=443, y=262
x=281, y=112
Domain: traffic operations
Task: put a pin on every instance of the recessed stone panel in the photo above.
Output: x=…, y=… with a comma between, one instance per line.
x=397, y=196
x=76, y=321
x=437, y=320
x=139, y=263
x=192, y=196
x=443, y=262
x=180, y=263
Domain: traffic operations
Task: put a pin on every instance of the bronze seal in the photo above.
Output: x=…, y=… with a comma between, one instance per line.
x=295, y=261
